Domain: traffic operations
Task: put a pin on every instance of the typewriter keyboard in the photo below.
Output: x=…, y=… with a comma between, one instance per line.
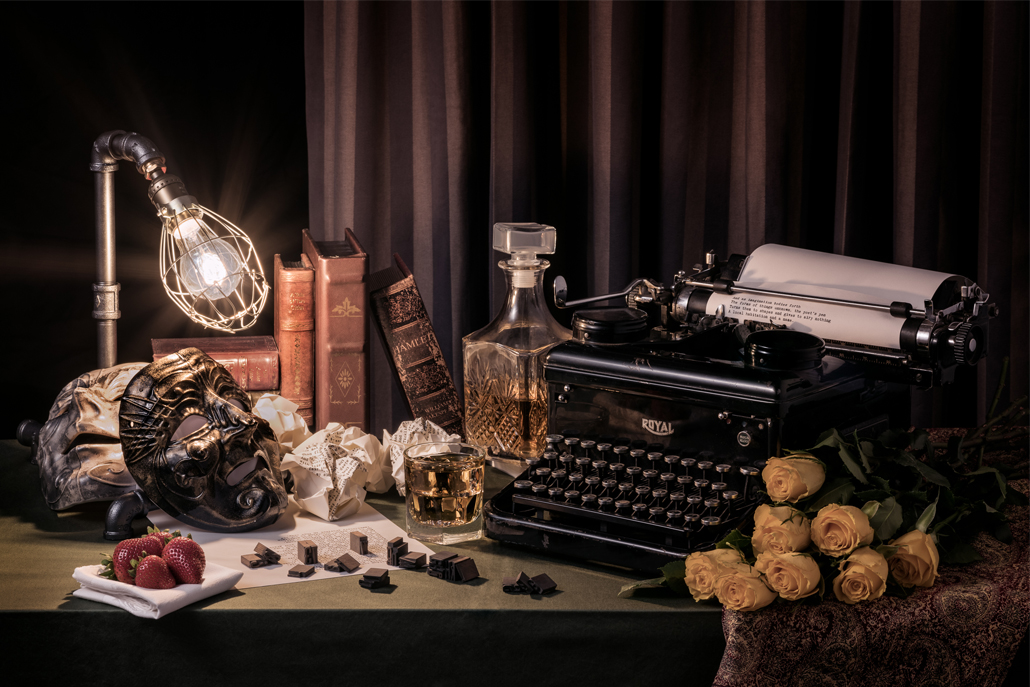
x=629, y=503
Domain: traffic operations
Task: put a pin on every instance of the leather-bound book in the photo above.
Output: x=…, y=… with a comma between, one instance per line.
x=341, y=332
x=295, y=332
x=253, y=361
x=412, y=347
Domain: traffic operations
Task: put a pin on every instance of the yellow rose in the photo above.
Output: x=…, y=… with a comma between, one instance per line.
x=742, y=589
x=791, y=575
x=838, y=530
x=792, y=478
x=780, y=529
x=863, y=577
x=915, y=563
x=703, y=569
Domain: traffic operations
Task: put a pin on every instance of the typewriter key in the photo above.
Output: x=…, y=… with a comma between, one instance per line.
x=639, y=510
x=710, y=520
x=539, y=489
x=702, y=485
x=621, y=454
x=617, y=469
x=591, y=483
x=659, y=495
x=689, y=520
x=674, y=517
x=642, y=493
x=650, y=476
x=712, y=504
x=572, y=496
x=588, y=500
x=655, y=457
x=626, y=488
x=687, y=464
x=748, y=473
x=723, y=468
x=553, y=441
x=532, y=463
x=588, y=447
x=718, y=486
x=633, y=472
x=667, y=479
x=599, y=466
x=543, y=474
x=550, y=459
x=555, y=493
x=730, y=497
x=677, y=498
x=637, y=455
x=704, y=466
x=572, y=445
x=558, y=476
x=523, y=484
x=693, y=500
x=656, y=513
x=671, y=461
x=685, y=482
x=567, y=460
x=609, y=485
x=576, y=478
x=603, y=449
x=622, y=506
x=605, y=503
x=582, y=464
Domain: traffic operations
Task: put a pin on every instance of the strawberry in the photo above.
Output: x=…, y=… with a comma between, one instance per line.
x=119, y=565
x=152, y=573
x=185, y=559
x=162, y=537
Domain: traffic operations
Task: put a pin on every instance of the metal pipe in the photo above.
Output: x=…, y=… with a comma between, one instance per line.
x=105, y=290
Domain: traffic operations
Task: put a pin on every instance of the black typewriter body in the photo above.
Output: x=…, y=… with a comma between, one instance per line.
x=690, y=422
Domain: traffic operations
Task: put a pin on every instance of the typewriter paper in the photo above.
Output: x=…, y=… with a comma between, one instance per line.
x=333, y=539
x=811, y=273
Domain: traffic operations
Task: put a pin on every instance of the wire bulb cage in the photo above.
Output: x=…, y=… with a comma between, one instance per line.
x=210, y=269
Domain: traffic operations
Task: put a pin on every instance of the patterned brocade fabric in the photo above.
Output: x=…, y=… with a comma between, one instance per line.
x=964, y=630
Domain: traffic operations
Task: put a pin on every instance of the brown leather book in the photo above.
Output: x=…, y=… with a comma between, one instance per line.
x=253, y=361
x=341, y=332
x=412, y=347
x=295, y=332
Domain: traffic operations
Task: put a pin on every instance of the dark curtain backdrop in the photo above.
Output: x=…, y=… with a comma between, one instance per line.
x=647, y=133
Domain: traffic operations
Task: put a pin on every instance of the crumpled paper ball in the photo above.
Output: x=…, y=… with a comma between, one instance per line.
x=290, y=428
x=334, y=468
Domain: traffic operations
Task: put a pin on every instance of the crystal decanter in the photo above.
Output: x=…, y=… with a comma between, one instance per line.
x=505, y=395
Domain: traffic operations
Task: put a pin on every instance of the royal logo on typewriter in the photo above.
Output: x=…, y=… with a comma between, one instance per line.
x=657, y=427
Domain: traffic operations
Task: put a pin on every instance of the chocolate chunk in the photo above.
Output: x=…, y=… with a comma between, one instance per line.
x=375, y=578
x=543, y=584
x=307, y=552
x=412, y=560
x=344, y=563
x=395, y=548
x=252, y=561
x=464, y=570
x=271, y=557
x=525, y=583
x=510, y=586
x=301, y=571
x=359, y=542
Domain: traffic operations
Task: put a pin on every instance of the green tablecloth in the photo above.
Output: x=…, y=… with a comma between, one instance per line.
x=422, y=631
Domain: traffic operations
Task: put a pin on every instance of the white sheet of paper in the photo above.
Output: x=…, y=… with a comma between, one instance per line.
x=812, y=273
x=332, y=538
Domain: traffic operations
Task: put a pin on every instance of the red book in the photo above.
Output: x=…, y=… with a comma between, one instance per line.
x=295, y=332
x=341, y=331
x=253, y=361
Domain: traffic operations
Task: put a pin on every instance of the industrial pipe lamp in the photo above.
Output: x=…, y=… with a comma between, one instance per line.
x=208, y=265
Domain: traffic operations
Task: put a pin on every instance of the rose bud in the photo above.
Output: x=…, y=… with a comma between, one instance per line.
x=915, y=562
x=780, y=529
x=792, y=478
x=703, y=569
x=863, y=577
x=742, y=589
x=838, y=530
x=791, y=575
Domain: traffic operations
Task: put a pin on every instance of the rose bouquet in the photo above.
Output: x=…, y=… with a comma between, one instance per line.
x=858, y=517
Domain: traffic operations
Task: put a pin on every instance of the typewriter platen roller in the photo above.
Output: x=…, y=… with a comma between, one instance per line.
x=723, y=368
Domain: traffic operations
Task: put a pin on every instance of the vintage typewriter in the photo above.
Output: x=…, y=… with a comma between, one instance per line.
x=662, y=412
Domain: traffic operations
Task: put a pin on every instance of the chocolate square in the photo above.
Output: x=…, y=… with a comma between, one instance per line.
x=464, y=570
x=544, y=584
x=307, y=552
x=252, y=561
x=359, y=542
x=301, y=571
x=412, y=560
x=271, y=557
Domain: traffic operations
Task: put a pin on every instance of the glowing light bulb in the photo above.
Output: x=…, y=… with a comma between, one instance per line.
x=209, y=267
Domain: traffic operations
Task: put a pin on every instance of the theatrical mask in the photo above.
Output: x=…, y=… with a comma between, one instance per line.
x=79, y=456
x=195, y=448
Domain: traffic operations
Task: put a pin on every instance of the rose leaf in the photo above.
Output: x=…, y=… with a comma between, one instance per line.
x=887, y=519
x=837, y=491
x=852, y=466
x=929, y=474
x=959, y=554
x=926, y=519
x=627, y=590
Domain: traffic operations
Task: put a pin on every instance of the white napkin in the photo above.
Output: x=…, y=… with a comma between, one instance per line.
x=152, y=603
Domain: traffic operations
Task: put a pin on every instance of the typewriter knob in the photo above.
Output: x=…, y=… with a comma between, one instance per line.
x=609, y=325
x=783, y=349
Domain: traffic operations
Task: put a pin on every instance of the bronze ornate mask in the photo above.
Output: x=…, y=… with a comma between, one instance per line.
x=79, y=456
x=195, y=449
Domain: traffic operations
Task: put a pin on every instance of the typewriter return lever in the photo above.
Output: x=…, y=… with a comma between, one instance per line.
x=561, y=293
